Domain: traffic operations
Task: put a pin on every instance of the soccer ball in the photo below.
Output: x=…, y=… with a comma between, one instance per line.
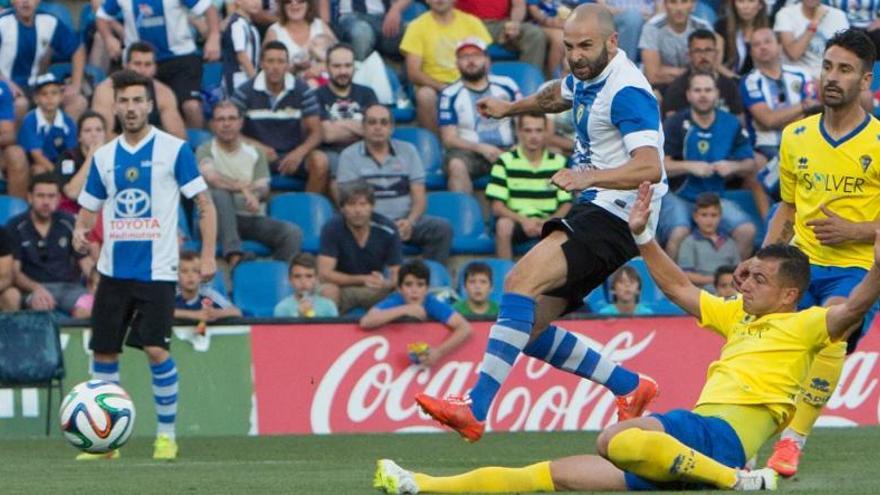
x=97, y=416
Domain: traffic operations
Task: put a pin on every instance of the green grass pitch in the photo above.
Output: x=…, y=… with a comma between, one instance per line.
x=838, y=461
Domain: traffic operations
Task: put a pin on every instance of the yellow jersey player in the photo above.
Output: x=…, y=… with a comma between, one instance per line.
x=829, y=167
x=750, y=393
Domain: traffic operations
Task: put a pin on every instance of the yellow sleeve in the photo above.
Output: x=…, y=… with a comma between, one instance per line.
x=719, y=314
x=787, y=177
x=813, y=323
x=413, y=42
x=477, y=28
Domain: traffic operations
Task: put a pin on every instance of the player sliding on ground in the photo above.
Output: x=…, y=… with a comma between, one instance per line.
x=750, y=391
x=619, y=146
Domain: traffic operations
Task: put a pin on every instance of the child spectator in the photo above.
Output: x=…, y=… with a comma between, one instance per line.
x=82, y=308
x=46, y=131
x=195, y=301
x=724, y=281
x=241, y=45
x=706, y=249
x=316, y=75
x=477, y=288
x=305, y=301
x=412, y=299
x=626, y=289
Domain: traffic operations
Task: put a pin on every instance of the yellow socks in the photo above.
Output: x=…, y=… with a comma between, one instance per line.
x=534, y=478
x=818, y=387
x=660, y=457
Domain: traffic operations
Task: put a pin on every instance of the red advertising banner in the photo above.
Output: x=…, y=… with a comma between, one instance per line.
x=338, y=378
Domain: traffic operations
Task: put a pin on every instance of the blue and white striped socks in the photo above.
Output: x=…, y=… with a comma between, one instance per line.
x=108, y=372
x=165, y=395
x=568, y=351
x=507, y=338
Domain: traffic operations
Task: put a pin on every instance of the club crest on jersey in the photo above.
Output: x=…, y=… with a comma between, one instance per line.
x=796, y=86
x=132, y=174
x=58, y=142
x=865, y=161
x=702, y=146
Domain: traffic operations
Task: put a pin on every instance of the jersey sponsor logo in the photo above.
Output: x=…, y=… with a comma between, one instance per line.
x=134, y=229
x=802, y=163
x=131, y=203
x=832, y=183
x=801, y=129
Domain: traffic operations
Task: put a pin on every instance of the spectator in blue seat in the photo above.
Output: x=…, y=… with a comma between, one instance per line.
x=305, y=302
x=281, y=119
x=360, y=251
x=395, y=171
x=626, y=290
x=47, y=268
x=705, y=147
x=195, y=301
x=473, y=143
x=13, y=162
x=31, y=40
x=368, y=25
x=477, y=290
x=10, y=296
x=238, y=176
x=412, y=300
x=706, y=249
x=46, y=131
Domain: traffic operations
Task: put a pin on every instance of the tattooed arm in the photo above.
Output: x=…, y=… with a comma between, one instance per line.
x=781, y=228
x=547, y=100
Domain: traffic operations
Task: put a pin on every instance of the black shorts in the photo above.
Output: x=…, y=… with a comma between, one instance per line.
x=134, y=312
x=598, y=244
x=184, y=75
x=519, y=234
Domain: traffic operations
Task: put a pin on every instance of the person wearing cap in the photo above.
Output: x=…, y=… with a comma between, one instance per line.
x=46, y=131
x=428, y=46
x=28, y=37
x=473, y=143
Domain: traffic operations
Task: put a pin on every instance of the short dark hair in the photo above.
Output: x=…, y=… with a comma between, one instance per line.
x=226, y=102
x=534, y=115
x=707, y=199
x=377, y=104
x=127, y=78
x=44, y=178
x=702, y=34
x=629, y=272
x=721, y=271
x=794, y=266
x=697, y=73
x=857, y=41
x=416, y=268
x=305, y=260
x=273, y=45
x=338, y=46
x=349, y=191
x=189, y=255
x=139, y=47
x=477, y=268
x=89, y=114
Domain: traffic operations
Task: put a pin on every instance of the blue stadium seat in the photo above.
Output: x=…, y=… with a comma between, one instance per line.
x=466, y=217
x=280, y=182
x=2, y=186
x=439, y=274
x=526, y=75
x=310, y=211
x=257, y=286
x=11, y=206
x=59, y=10
x=498, y=52
x=196, y=137
x=746, y=201
x=432, y=154
x=596, y=299
x=500, y=268
x=247, y=246
x=218, y=283
x=652, y=296
x=212, y=75
x=401, y=115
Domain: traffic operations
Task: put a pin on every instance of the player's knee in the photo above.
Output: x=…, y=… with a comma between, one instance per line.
x=318, y=163
x=627, y=446
x=457, y=168
x=504, y=228
x=156, y=354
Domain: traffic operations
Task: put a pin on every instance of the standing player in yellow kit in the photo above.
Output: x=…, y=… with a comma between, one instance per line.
x=829, y=167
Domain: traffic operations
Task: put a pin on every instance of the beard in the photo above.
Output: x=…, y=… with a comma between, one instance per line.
x=475, y=75
x=341, y=81
x=595, y=67
x=841, y=98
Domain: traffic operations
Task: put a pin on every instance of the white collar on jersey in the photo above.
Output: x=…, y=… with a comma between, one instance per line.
x=42, y=123
x=260, y=82
x=134, y=149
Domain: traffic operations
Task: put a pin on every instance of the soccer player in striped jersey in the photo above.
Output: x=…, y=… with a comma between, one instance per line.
x=135, y=181
x=829, y=168
x=619, y=145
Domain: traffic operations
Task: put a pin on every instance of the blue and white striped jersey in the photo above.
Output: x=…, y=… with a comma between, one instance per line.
x=161, y=22
x=614, y=113
x=795, y=86
x=240, y=35
x=139, y=189
x=458, y=107
x=23, y=47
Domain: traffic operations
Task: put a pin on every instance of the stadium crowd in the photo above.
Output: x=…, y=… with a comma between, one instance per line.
x=341, y=137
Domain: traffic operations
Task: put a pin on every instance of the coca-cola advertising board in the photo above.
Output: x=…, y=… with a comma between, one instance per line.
x=338, y=378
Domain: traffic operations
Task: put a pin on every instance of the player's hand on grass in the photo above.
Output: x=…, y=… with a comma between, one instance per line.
x=207, y=268
x=641, y=210
x=834, y=229
x=493, y=107
x=572, y=180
